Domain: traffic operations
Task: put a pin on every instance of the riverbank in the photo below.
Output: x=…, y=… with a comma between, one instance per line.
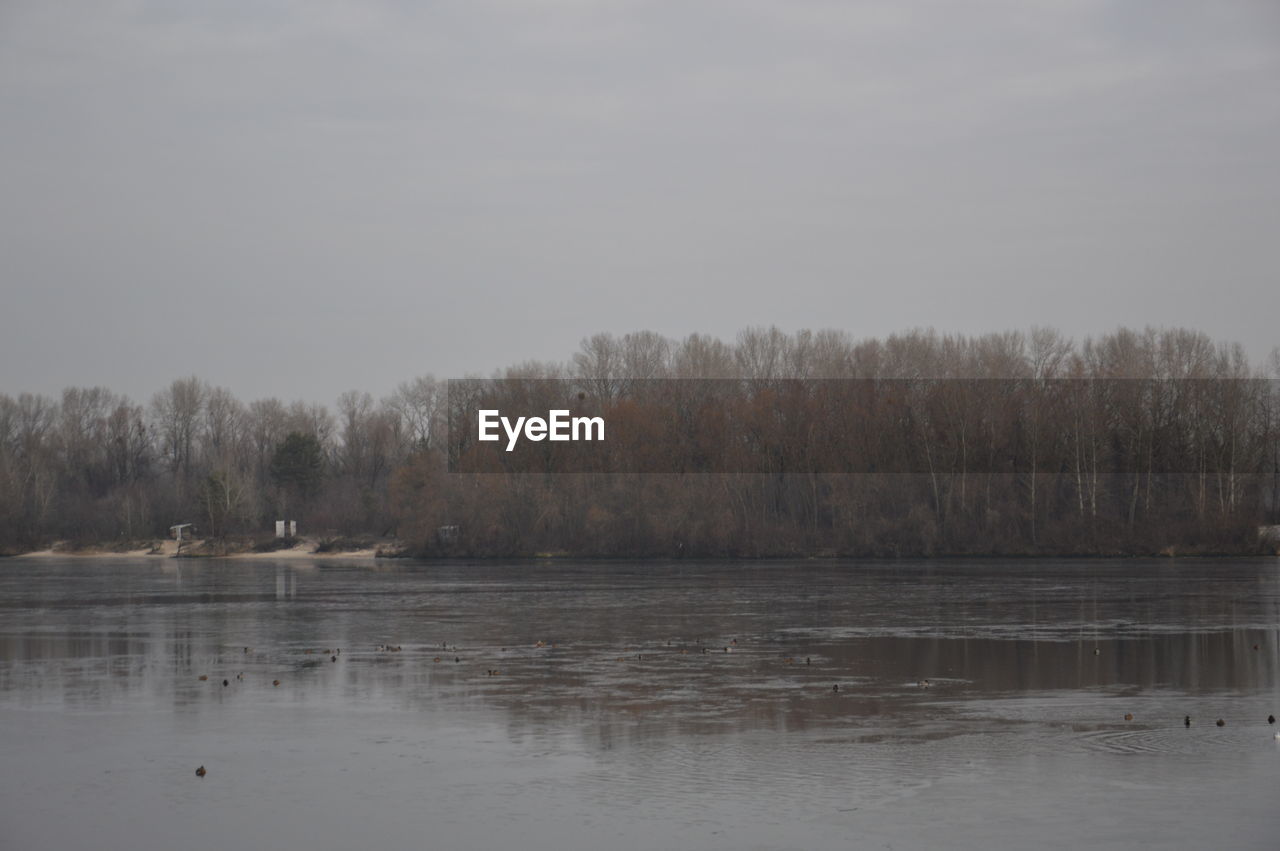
x=369, y=548
x=300, y=548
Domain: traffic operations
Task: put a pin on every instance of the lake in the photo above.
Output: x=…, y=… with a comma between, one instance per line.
x=554, y=705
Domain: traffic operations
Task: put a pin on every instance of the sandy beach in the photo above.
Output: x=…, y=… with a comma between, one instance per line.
x=305, y=548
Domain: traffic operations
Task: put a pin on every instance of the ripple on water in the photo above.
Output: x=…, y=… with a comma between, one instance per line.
x=1199, y=739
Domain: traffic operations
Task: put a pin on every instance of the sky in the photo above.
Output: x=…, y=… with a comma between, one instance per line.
x=299, y=197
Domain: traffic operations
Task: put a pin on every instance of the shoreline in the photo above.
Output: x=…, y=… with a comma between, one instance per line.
x=305, y=548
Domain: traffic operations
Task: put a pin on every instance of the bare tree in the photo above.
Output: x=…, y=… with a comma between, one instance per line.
x=418, y=404
x=176, y=412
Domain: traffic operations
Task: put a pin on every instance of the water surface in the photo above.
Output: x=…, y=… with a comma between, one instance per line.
x=615, y=705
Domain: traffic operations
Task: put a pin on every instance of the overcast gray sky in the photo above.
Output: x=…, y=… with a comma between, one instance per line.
x=298, y=198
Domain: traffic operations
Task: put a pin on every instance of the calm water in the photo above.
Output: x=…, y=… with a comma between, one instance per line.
x=632, y=726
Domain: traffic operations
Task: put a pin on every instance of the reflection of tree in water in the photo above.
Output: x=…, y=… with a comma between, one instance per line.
x=632, y=655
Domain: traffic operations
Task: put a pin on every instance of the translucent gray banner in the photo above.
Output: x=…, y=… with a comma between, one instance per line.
x=1209, y=427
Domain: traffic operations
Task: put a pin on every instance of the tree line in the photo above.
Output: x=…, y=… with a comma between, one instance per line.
x=1133, y=442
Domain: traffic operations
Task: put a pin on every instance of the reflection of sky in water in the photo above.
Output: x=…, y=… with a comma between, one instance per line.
x=632, y=705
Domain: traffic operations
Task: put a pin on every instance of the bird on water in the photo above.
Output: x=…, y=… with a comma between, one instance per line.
x=200, y=772
x=1186, y=722
x=1221, y=723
